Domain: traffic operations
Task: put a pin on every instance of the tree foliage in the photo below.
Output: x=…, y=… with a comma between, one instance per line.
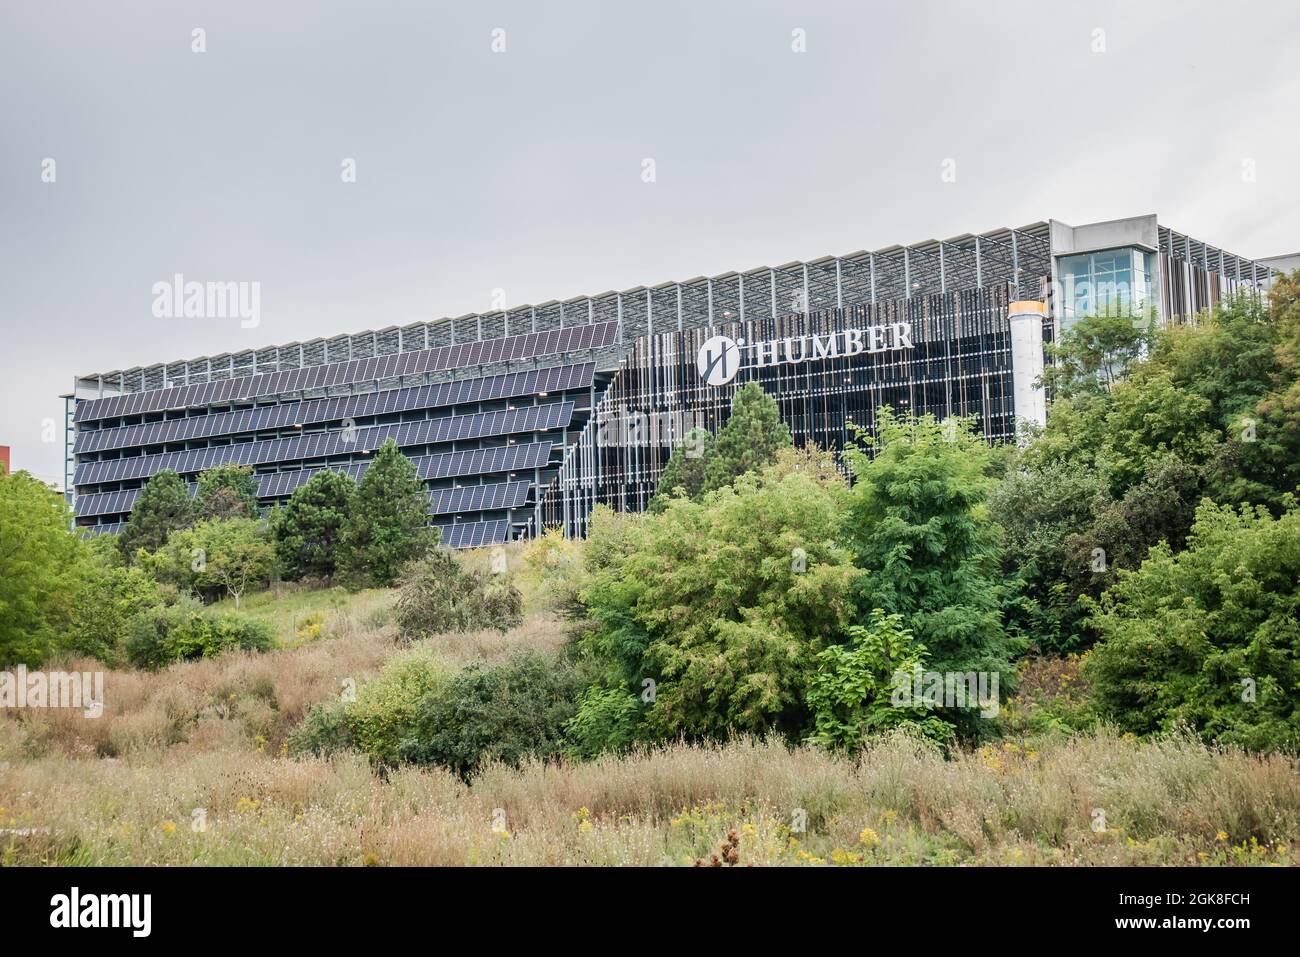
x=226, y=491
x=685, y=473
x=754, y=433
x=921, y=530
x=388, y=522
x=308, y=529
x=217, y=557
x=718, y=607
x=40, y=563
x=749, y=442
x=851, y=694
x=163, y=506
x=1208, y=637
x=504, y=713
x=439, y=595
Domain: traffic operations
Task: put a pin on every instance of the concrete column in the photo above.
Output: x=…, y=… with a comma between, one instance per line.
x=1026, y=320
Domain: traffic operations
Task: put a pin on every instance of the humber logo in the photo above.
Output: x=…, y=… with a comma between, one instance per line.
x=720, y=358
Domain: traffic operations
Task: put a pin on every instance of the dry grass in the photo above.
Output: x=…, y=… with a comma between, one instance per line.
x=245, y=701
x=123, y=788
x=1167, y=802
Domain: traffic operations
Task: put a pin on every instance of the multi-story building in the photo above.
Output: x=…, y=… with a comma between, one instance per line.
x=530, y=416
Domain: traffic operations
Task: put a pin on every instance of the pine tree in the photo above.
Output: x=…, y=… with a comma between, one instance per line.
x=754, y=433
x=387, y=525
x=308, y=529
x=227, y=491
x=685, y=469
x=163, y=507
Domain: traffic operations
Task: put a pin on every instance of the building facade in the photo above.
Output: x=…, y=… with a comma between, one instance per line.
x=529, y=417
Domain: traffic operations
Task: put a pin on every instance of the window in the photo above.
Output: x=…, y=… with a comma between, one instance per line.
x=1114, y=280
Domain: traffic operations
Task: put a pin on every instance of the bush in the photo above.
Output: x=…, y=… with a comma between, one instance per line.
x=1209, y=637
x=323, y=731
x=851, y=693
x=185, y=631
x=382, y=714
x=1052, y=697
x=111, y=596
x=220, y=556
x=438, y=595
x=555, y=566
x=505, y=713
x=723, y=603
x=608, y=719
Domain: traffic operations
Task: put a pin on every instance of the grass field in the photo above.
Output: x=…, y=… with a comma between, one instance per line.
x=203, y=743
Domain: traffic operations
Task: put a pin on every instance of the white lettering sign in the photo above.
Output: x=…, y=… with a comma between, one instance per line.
x=721, y=358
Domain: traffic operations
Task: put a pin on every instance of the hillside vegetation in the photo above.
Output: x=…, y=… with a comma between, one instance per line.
x=208, y=741
x=1079, y=650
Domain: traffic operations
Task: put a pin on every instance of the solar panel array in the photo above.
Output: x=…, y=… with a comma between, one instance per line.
x=309, y=430
x=443, y=358
x=106, y=503
x=474, y=534
x=503, y=458
x=314, y=411
x=459, y=535
x=318, y=445
x=445, y=501
x=280, y=484
x=109, y=528
x=479, y=498
x=440, y=465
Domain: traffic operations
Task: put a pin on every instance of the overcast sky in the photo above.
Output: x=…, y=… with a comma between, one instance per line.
x=522, y=170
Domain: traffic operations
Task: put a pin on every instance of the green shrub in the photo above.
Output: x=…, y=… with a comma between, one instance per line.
x=185, y=631
x=382, y=714
x=220, y=556
x=112, y=595
x=851, y=692
x=555, y=566
x=607, y=720
x=323, y=731
x=438, y=595
x=504, y=713
x=723, y=603
x=1052, y=697
x=1208, y=637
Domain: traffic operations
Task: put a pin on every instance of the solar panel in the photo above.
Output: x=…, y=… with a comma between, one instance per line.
x=441, y=358
x=111, y=528
x=474, y=534
x=106, y=503
x=318, y=445
x=513, y=458
x=479, y=498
